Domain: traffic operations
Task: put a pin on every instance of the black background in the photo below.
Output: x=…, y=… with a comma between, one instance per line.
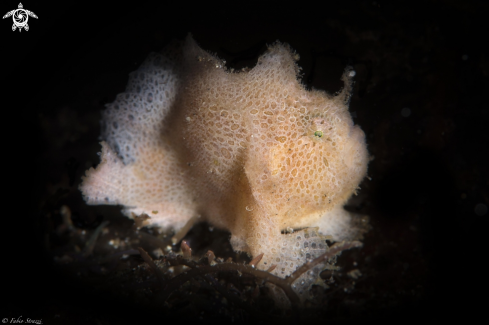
x=429, y=169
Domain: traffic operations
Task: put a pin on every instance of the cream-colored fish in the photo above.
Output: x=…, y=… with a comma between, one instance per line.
x=251, y=152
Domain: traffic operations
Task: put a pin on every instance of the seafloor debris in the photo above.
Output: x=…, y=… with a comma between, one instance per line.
x=130, y=270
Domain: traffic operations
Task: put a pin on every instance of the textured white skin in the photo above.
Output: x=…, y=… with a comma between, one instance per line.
x=188, y=138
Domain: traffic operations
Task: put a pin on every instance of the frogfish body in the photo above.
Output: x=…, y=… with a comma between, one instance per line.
x=251, y=152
